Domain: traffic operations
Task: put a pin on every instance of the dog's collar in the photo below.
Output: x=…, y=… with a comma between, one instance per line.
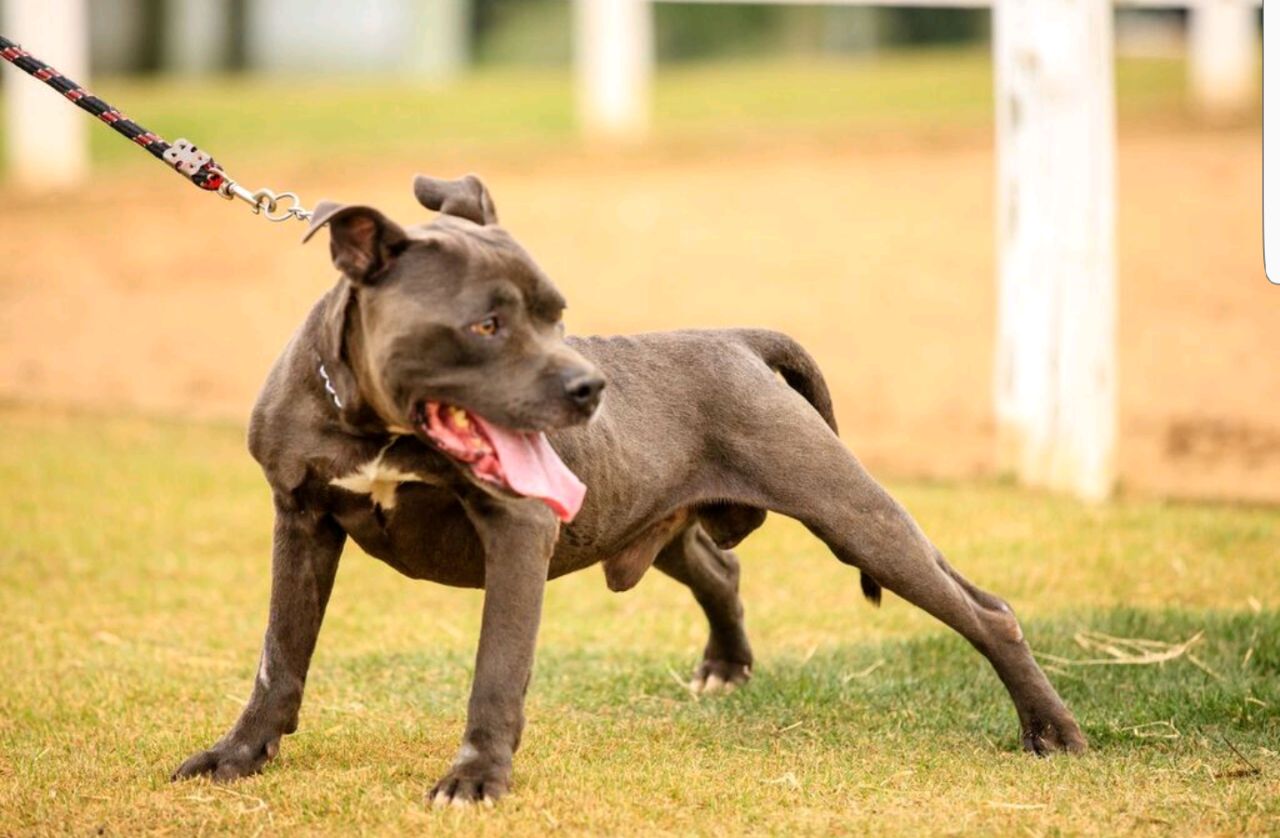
x=328, y=387
x=395, y=431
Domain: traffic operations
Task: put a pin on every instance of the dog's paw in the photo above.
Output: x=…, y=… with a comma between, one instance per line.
x=228, y=761
x=717, y=677
x=471, y=783
x=1062, y=734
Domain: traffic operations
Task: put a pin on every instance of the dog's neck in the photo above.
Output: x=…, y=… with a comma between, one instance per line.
x=364, y=420
x=337, y=358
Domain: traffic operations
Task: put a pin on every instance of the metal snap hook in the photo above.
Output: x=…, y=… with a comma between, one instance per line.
x=267, y=203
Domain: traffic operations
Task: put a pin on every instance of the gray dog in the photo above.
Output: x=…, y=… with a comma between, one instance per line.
x=411, y=412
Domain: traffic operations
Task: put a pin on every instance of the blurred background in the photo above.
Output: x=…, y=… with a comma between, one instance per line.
x=826, y=170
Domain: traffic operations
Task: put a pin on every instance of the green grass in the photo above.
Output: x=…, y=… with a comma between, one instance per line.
x=133, y=584
x=520, y=111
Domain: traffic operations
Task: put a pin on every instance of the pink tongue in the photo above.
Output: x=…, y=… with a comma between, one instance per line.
x=533, y=469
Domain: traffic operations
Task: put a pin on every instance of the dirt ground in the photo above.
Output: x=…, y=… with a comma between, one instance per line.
x=143, y=294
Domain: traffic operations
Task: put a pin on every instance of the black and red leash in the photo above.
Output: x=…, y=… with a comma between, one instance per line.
x=186, y=159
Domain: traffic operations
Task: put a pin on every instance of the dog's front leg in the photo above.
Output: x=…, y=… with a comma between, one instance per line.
x=518, y=539
x=304, y=560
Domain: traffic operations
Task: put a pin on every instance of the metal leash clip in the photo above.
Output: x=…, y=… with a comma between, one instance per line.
x=266, y=203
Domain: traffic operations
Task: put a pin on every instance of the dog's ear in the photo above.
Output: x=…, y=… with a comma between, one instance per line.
x=465, y=198
x=364, y=243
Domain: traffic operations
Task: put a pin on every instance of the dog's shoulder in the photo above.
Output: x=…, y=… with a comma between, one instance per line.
x=286, y=427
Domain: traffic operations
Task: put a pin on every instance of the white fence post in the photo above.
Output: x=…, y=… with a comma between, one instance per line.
x=613, y=50
x=196, y=36
x=1055, y=363
x=47, y=137
x=441, y=47
x=1223, y=43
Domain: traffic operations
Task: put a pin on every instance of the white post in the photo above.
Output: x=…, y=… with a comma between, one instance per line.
x=613, y=48
x=1223, y=42
x=440, y=47
x=47, y=136
x=1055, y=362
x=197, y=35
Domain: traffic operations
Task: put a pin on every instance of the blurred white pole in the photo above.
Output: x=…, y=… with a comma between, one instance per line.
x=1223, y=41
x=1055, y=362
x=197, y=35
x=47, y=137
x=613, y=51
x=440, y=47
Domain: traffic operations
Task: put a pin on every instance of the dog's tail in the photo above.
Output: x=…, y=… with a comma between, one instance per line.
x=797, y=367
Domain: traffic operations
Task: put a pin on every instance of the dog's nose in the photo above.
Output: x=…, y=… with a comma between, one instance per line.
x=584, y=390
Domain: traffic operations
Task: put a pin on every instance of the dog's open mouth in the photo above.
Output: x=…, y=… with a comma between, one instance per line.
x=521, y=461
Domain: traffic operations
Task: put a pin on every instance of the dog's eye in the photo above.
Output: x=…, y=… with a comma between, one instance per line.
x=485, y=328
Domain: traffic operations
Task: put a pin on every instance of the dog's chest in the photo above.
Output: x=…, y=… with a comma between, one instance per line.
x=399, y=503
x=381, y=476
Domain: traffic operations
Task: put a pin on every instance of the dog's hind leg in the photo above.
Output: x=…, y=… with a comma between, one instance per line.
x=711, y=573
x=802, y=470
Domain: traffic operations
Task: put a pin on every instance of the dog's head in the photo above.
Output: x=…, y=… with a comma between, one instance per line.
x=451, y=330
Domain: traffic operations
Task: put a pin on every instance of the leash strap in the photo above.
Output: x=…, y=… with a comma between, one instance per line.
x=182, y=156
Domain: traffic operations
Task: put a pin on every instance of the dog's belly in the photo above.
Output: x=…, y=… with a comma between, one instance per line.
x=398, y=509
